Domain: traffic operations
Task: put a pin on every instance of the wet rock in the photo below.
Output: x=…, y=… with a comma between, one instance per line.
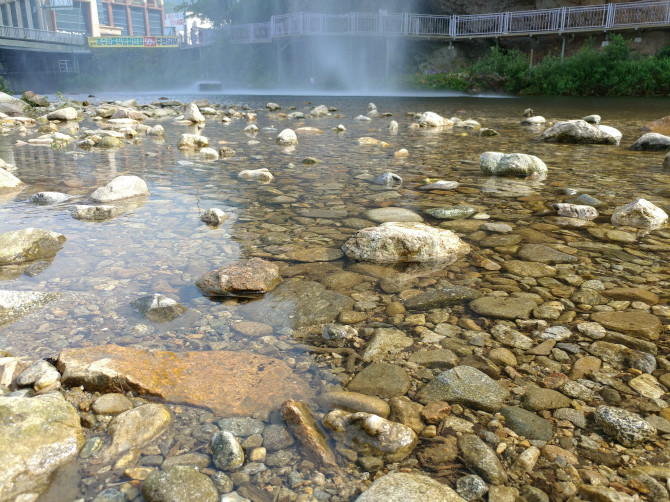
x=337, y=335
x=578, y=131
x=8, y=180
x=179, y=484
x=652, y=141
x=526, y=423
x=435, y=359
x=300, y=421
x=29, y=244
x=503, y=307
x=39, y=375
x=121, y=187
x=440, y=185
x=214, y=216
x=192, y=142
x=248, y=277
x=527, y=459
x=544, y=254
x=11, y=105
x=406, y=412
x=465, y=385
x=405, y=243
x=432, y=119
x=135, y=428
x=639, y=214
x=263, y=175
x=371, y=434
x=16, y=304
x=471, y=487
x=384, y=342
x=48, y=198
x=624, y=426
x=34, y=99
x=587, y=213
x=392, y=214
x=208, y=153
x=544, y=399
x=241, y=426
x=635, y=323
x=478, y=457
x=381, y=379
x=228, y=383
x=273, y=107
x=389, y=179
x=158, y=308
x=37, y=436
x=368, y=141
x=111, y=404
x=647, y=386
x=535, y=120
x=355, y=401
x=511, y=337
x=192, y=114
x=287, y=138
x=408, y=487
x=64, y=114
x=95, y=213
x=592, y=119
x=441, y=297
x=666, y=161
x=315, y=254
x=451, y=213
x=632, y=295
x=227, y=453
x=512, y=164
x=298, y=303
x=276, y=437
x=529, y=268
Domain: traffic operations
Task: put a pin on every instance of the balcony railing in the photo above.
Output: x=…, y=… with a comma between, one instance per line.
x=56, y=37
x=517, y=23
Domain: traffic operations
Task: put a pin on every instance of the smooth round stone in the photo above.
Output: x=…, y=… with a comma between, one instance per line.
x=276, y=437
x=636, y=323
x=381, y=379
x=451, y=213
x=389, y=214
x=227, y=453
x=471, y=487
x=408, y=487
x=316, y=254
x=111, y=404
x=544, y=399
x=626, y=427
x=545, y=254
x=478, y=457
x=526, y=423
x=503, y=307
x=440, y=185
x=179, y=484
x=499, y=240
x=355, y=401
x=496, y=227
x=251, y=328
x=528, y=268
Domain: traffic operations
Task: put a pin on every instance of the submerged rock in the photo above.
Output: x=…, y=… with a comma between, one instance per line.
x=95, y=213
x=16, y=304
x=214, y=216
x=639, y=214
x=192, y=142
x=432, y=119
x=372, y=435
x=405, y=243
x=158, y=308
x=263, y=175
x=626, y=427
x=29, y=244
x=179, y=483
x=121, y=187
x=587, y=213
x=135, y=428
x=300, y=421
x=512, y=164
x=408, y=487
x=47, y=198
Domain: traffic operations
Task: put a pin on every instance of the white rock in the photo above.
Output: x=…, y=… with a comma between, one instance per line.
x=121, y=187
x=214, y=216
x=405, y=243
x=263, y=175
x=192, y=142
x=8, y=180
x=511, y=164
x=535, y=120
x=46, y=198
x=592, y=119
x=251, y=129
x=208, y=153
x=67, y=113
x=320, y=111
x=639, y=214
x=287, y=137
x=582, y=212
x=192, y=113
x=431, y=119
x=578, y=131
x=393, y=127
x=94, y=213
x=652, y=141
x=615, y=133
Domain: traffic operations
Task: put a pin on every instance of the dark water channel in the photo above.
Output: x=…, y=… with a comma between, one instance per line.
x=159, y=244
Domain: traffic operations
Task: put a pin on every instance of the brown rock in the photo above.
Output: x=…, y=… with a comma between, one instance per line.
x=636, y=323
x=584, y=366
x=661, y=126
x=251, y=328
x=407, y=412
x=552, y=452
x=543, y=349
x=245, y=278
x=228, y=383
x=433, y=413
x=632, y=294
x=303, y=426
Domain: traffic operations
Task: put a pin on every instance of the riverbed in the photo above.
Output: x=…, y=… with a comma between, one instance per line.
x=322, y=193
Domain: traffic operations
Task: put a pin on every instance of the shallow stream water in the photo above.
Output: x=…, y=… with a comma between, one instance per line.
x=159, y=244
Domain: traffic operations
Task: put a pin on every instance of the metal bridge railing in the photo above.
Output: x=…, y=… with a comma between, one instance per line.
x=58, y=37
x=515, y=23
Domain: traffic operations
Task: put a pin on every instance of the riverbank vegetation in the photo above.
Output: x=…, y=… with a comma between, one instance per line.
x=614, y=70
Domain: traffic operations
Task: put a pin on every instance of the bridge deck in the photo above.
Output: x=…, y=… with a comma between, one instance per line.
x=595, y=18
x=40, y=40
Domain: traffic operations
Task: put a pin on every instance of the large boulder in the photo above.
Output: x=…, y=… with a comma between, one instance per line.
x=29, y=244
x=64, y=114
x=12, y=106
x=121, y=187
x=245, y=278
x=37, y=436
x=652, y=141
x=8, y=180
x=287, y=138
x=580, y=131
x=639, y=214
x=192, y=114
x=396, y=242
x=432, y=119
x=511, y=164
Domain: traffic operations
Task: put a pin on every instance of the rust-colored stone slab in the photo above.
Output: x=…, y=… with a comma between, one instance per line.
x=635, y=323
x=228, y=383
x=303, y=426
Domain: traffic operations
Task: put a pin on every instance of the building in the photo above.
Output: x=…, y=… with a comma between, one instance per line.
x=89, y=17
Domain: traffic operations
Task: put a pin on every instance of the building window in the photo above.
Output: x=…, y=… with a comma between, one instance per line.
x=120, y=18
x=139, y=28
x=103, y=13
x=155, y=22
x=72, y=20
